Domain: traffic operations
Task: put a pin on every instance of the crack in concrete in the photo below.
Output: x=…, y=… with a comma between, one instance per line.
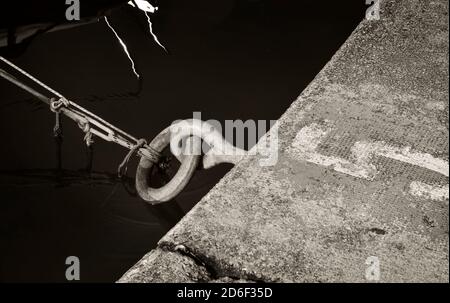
x=206, y=263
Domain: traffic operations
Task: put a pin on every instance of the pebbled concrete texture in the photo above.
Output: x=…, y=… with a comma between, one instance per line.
x=160, y=266
x=362, y=173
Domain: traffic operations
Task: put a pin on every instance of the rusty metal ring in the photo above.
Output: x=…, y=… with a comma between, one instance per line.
x=187, y=168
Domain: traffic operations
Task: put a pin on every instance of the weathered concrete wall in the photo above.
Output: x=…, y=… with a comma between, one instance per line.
x=362, y=171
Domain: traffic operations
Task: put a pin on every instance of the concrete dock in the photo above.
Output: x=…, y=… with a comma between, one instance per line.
x=360, y=192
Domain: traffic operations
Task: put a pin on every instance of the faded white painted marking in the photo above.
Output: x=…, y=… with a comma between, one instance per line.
x=436, y=193
x=404, y=154
x=309, y=138
x=307, y=141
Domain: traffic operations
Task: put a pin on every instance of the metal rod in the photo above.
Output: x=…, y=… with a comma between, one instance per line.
x=76, y=116
x=82, y=111
x=23, y=86
x=105, y=130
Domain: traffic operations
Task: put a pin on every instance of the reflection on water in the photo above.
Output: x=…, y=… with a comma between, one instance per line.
x=229, y=59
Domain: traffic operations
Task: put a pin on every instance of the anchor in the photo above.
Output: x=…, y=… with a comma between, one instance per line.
x=192, y=132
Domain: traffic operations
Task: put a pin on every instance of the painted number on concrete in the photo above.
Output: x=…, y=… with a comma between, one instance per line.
x=310, y=137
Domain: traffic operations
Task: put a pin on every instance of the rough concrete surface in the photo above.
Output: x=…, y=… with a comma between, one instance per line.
x=166, y=267
x=362, y=173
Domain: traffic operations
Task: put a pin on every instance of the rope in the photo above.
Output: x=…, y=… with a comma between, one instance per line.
x=121, y=171
x=88, y=137
x=150, y=153
x=57, y=105
x=54, y=92
x=57, y=130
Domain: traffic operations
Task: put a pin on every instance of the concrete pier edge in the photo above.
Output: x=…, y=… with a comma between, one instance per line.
x=360, y=189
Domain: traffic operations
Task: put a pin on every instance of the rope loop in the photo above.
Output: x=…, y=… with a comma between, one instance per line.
x=56, y=105
x=146, y=151
x=150, y=153
x=86, y=128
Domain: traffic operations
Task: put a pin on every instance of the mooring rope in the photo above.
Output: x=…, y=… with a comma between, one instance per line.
x=122, y=170
x=56, y=93
x=55, y=106
x=84, y=118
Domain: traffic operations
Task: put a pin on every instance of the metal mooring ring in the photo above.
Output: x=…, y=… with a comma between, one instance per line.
x=187, y=168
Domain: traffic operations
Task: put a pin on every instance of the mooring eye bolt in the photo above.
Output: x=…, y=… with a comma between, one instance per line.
x=220, y=150
x=194, y=130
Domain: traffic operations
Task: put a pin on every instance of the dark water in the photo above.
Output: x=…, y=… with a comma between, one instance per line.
x=228, y=59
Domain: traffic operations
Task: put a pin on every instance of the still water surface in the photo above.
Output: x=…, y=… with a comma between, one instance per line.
x=228, y=60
